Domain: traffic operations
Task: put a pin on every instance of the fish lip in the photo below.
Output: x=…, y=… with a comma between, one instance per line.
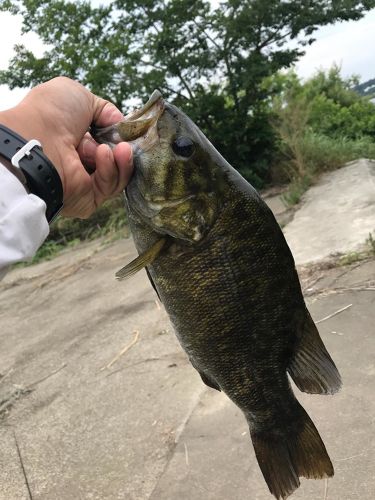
x=134, y=126
x=153, y=99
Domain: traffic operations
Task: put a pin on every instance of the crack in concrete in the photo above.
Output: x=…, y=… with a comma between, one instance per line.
x=179, y=431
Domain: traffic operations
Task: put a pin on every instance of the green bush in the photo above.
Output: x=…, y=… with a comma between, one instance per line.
x=322, y=153
x=321, y=124
x=335, y=120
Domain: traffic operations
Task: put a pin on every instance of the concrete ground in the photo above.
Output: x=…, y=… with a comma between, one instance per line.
x=98, y=401
x=337, y=214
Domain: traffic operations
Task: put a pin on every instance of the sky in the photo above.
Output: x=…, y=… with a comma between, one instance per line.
x=349, y=44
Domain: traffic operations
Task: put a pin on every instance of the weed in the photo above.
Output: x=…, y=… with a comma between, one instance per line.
x=318, y=154
x=371, y=244
x=296, y=189
x=368, y=251
x=351, y=258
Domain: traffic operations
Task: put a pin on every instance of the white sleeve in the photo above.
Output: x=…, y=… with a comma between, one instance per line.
x=23, y=222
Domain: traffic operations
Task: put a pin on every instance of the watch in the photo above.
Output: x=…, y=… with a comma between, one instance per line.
x=33, y=169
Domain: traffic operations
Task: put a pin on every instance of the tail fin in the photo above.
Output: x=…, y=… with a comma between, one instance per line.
x=284, y=455
x=312, y=368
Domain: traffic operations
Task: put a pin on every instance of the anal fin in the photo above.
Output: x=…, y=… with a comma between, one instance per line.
x=312, y=368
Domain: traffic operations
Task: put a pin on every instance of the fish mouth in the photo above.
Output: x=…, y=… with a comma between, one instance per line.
x=136, y=125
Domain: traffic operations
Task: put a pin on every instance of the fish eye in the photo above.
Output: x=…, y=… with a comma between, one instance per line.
x=183, y=146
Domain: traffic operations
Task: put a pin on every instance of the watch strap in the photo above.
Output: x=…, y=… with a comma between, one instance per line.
x=42, y=178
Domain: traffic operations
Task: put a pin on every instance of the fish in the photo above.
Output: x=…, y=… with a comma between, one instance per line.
x=222, y=268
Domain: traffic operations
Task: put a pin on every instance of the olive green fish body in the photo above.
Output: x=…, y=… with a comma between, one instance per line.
x=224, y=272
x=238, y=311
x=231, y=297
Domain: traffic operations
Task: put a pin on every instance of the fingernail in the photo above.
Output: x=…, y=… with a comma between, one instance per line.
x=130, y=160
x=109, y=153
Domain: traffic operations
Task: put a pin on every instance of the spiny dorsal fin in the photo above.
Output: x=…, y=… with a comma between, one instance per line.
x=141, y=261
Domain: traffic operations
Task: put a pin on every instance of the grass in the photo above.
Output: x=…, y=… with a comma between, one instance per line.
x=50, y=249
x=322, y=153
x=367, y=252
x=314, y=154
x=371, y=243
x=295, y=190
x=109, y=221
x=351, y=258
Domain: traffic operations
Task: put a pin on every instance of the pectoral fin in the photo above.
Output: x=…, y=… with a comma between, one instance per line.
x=141, y=261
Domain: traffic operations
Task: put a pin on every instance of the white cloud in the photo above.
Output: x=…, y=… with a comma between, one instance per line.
x=349, y=44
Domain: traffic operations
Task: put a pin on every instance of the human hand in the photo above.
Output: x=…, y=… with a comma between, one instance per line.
x=58, y=113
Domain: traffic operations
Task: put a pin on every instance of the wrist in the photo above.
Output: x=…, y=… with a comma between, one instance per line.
x=20, y=120
x=30, y=165
x=28, y=124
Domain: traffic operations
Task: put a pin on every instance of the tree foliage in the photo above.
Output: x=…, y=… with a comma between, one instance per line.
x=329, y=104
x=212, y=62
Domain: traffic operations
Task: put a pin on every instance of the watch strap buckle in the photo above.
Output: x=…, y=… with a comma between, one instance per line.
x=24, y=151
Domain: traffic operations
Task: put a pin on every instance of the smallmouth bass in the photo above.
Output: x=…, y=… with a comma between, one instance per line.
x=220, y=264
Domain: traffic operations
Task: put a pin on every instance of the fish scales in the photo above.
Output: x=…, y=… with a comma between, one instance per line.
x=225, y=329
x=224, y=272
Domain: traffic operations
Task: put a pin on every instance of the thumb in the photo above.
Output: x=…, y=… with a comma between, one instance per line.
x=106, y=113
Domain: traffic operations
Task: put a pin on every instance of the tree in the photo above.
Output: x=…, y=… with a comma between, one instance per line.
x=212, y=62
